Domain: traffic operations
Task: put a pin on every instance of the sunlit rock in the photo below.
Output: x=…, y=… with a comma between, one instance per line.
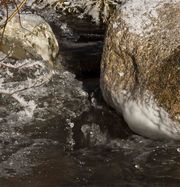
x=97, y=10
x=29, y=36
x=140, y=73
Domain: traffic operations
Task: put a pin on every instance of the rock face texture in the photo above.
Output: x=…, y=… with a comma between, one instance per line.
x=140, y=72
x=29, y=37
x=97, y=11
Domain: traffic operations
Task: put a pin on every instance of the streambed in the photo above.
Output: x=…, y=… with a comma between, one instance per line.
x=74, y=138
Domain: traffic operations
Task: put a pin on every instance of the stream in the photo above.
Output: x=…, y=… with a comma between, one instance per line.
x=74, y=138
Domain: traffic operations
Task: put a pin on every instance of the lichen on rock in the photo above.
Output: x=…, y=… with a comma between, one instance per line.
x=141, y=64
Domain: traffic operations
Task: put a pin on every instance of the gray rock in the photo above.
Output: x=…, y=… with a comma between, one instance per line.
x=140, y=72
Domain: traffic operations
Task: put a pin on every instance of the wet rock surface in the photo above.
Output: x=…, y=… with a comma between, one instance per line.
x=73, y=138
x=30, y=114
x=78, y=25
x=76, y=32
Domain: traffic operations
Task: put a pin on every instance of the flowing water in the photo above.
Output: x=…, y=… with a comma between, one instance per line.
x=62, y=134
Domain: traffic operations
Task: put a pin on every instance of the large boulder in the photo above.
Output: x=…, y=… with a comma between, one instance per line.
x=29, y=36
x=140, y=72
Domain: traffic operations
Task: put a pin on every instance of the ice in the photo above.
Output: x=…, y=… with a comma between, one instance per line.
x=96, y=9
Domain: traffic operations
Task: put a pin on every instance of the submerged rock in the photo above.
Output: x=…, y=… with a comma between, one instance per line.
x=35, y=113
x=140, y=70
x=29, y=37
x=49, y=93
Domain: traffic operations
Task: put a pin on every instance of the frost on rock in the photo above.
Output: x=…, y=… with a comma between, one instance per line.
x=96, y=9
x=139, y=14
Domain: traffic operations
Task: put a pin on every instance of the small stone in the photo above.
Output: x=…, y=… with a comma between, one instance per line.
x=137, y=166
x=178, y=150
